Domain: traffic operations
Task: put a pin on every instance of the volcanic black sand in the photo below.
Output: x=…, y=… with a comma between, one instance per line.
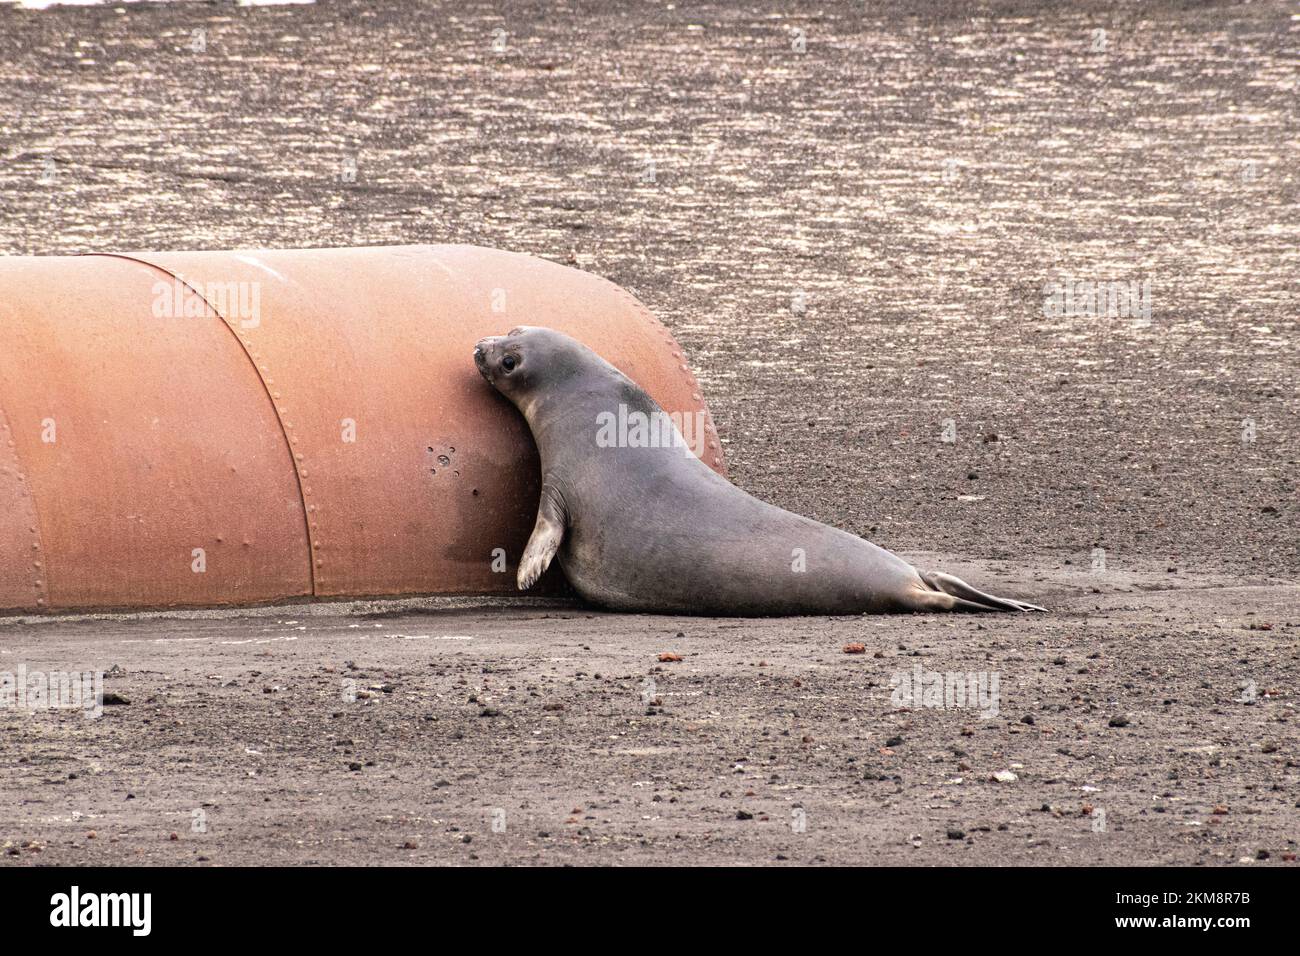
x=849, y=217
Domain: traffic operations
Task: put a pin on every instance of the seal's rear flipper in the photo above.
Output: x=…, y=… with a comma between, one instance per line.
x=967, y=598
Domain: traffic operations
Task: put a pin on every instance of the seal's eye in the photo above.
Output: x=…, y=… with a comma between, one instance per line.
x=509, y=362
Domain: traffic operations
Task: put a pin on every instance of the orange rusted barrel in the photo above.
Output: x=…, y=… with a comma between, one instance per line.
x=213, y=428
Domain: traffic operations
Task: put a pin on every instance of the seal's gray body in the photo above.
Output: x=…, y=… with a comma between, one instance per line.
x=657, y=529
x=654, y=529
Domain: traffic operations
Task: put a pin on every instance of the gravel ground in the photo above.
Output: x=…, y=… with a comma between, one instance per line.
x=849, y=216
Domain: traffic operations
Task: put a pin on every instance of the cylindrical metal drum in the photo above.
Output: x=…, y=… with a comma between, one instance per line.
x=211, y=428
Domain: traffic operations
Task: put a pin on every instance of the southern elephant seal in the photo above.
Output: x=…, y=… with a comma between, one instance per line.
x=641, y=524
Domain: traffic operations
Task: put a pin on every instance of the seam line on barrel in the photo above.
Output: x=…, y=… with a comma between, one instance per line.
x=275, y=408
x=40, y=581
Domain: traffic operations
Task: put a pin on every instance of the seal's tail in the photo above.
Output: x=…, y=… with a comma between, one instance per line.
x=967, y=598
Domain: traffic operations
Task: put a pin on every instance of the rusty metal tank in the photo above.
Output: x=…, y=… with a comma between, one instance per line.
x=218, y=428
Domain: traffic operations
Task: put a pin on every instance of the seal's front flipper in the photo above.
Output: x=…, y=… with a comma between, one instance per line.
x=548, y=532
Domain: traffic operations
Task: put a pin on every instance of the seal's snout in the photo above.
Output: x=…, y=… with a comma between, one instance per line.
x=481, y=358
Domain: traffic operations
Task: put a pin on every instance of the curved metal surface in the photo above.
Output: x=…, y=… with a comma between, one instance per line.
x=310, y=423
x=157, y=472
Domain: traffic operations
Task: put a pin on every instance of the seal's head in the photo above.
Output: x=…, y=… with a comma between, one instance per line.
x=518, y=364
